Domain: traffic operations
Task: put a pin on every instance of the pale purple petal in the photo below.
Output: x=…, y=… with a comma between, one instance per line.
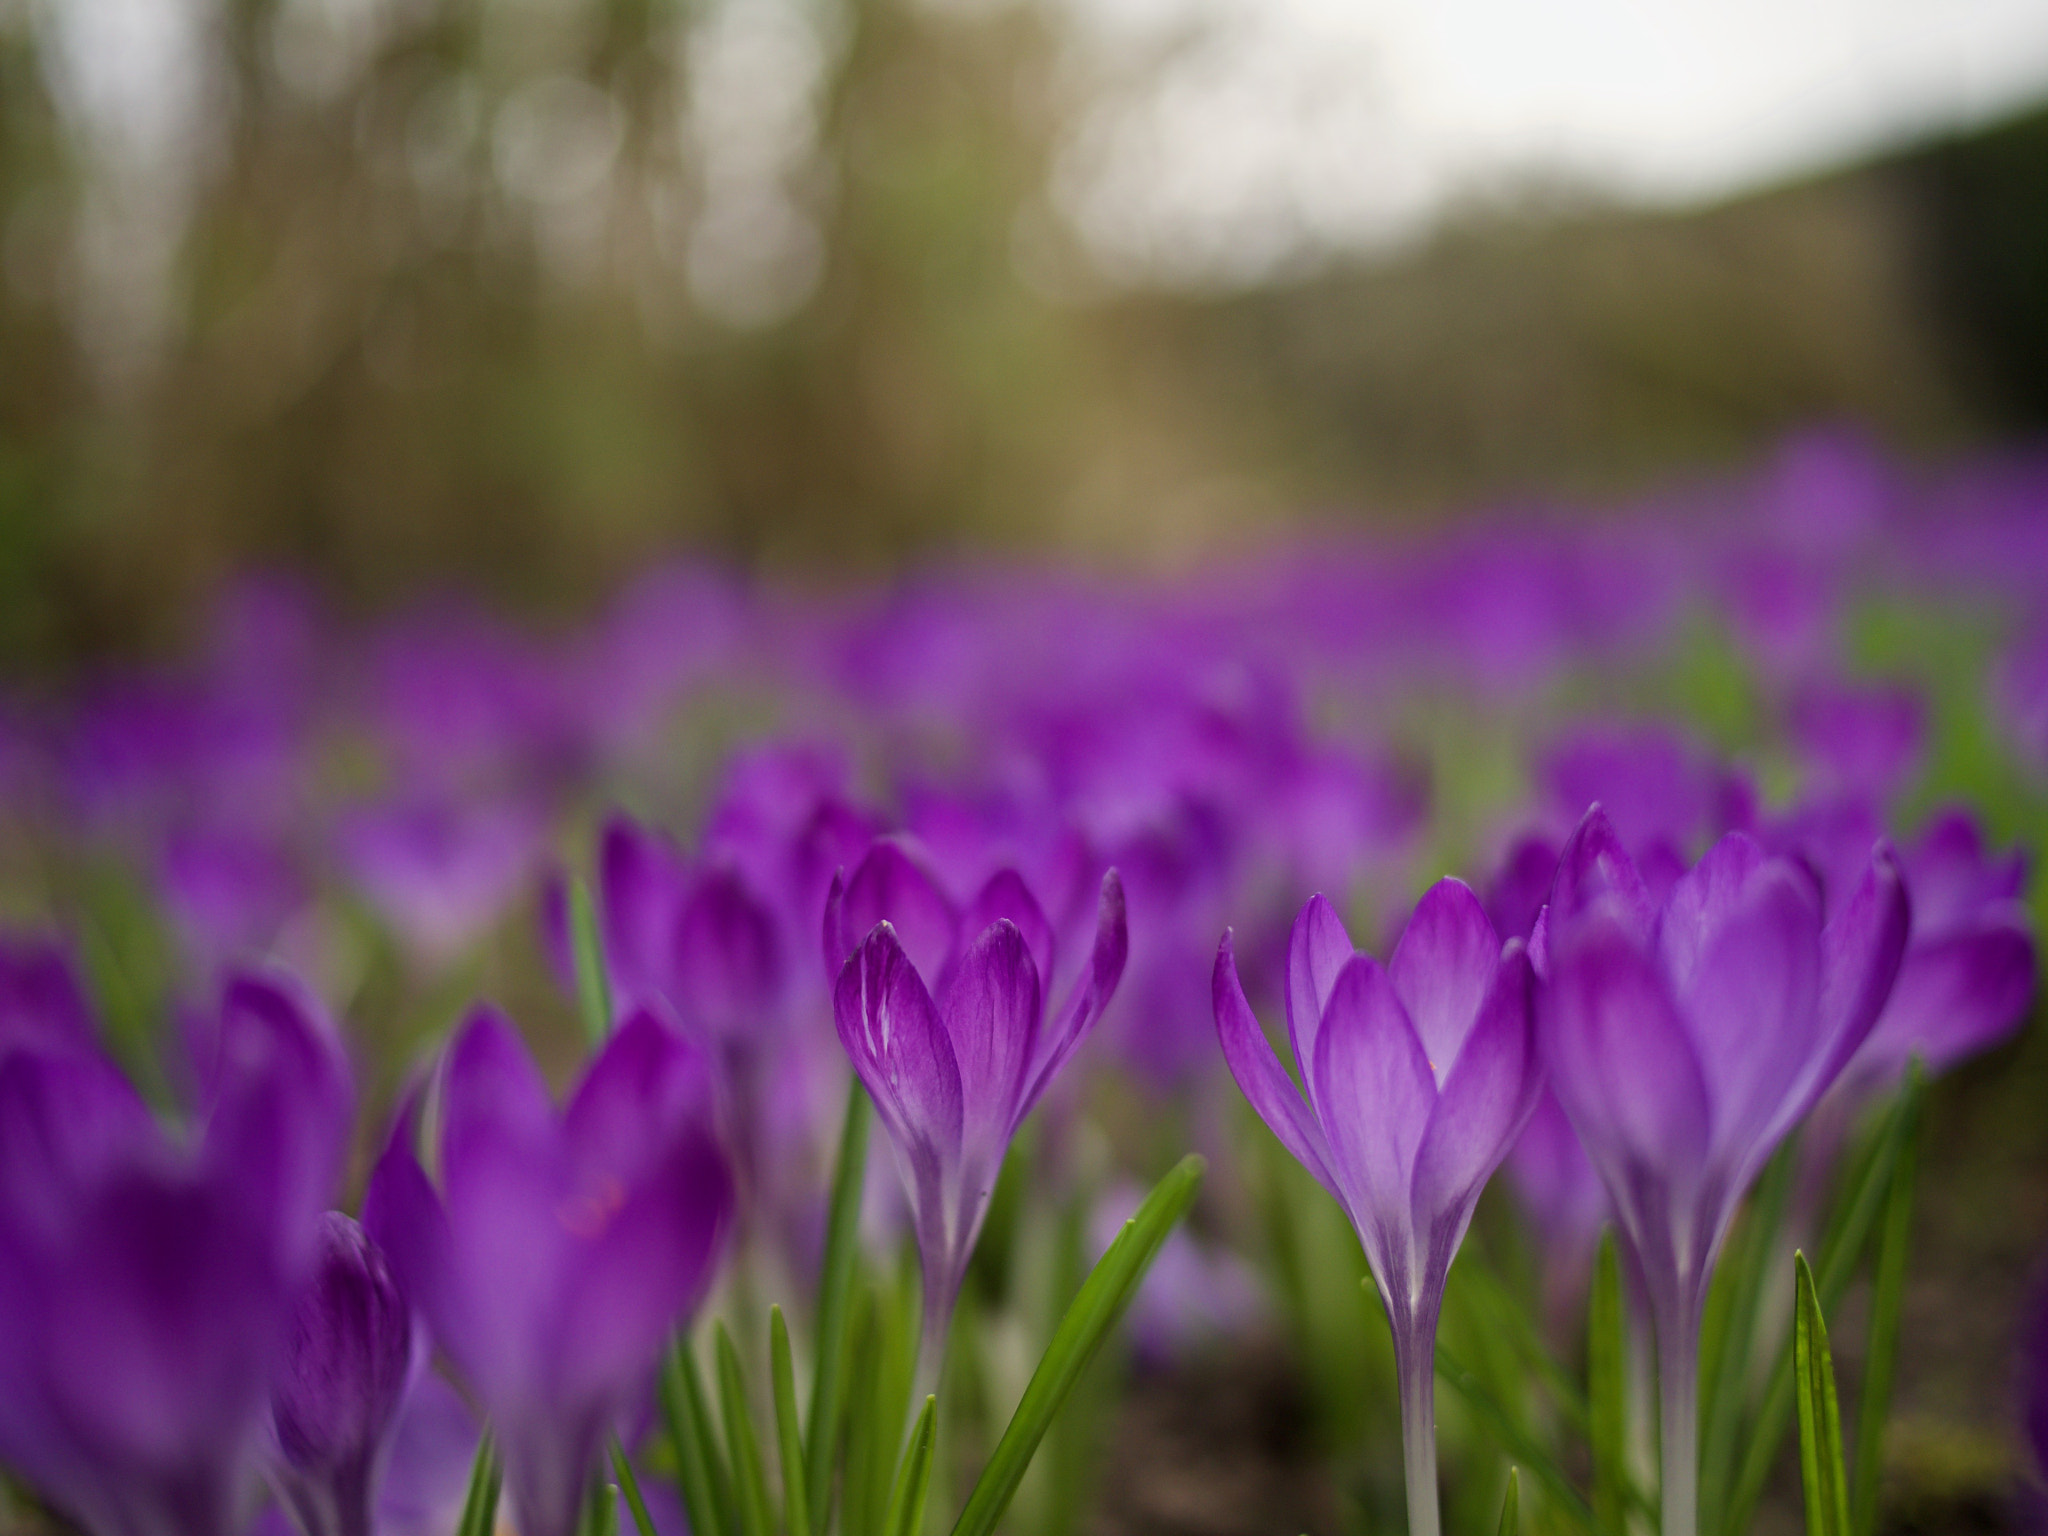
x=1593, y=865
x=1091, y=991
x=897, y=1044
x=1372, y=1091
x=1860, y=952
x=1443, y=968
x=644, y=1083
x=1261, y=1078
x=1005, y=895
x=1618, y=1057
x=1317, y=949
x=726, y=964
x=1955, y=996
x=991, y=1014
x=1486, y=1098
x=892, y=885
x=1701, y=901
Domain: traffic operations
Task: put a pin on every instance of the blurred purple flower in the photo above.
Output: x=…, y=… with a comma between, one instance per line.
x=953, y=1079
x=346, y=1370
x=228, y=890
x=1684, y=1040
x=1416, y=1079
x=1857, y=741
x=440, y=871
x=146, y=1281
x=562, y=1247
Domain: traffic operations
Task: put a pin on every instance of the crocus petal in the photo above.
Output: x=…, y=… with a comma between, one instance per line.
x=1860, y=952
x=1594, y=864
x=41, y=1002
x=1372, y=1091
x=1317, y=949
x=725, y=963
x=1091, y=992
x=636, y=888
x=892, y=885
x=1005, y=895
x=67, y=1120
x=901, y=1051
x=1954, y=997
x=991, y=1014
x=403, y=1216
x=1486, y=1099
x=1261, y=1078
x=1618, y=1057
x=646, y=1081
x=1442, y=969
x=345, y=1370
x=1701, y=902
x=1750, y=1004
x=491, y=1092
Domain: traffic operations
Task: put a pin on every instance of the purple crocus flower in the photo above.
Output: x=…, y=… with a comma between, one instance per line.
x=346, y=1369
x=1416, y=1079
x=562, y=1247
x=146, y=1280
x=440, y=871
x=953, y=1077
x=1684, y=1040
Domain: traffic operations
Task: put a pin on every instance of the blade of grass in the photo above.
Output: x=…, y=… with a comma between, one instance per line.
x=700, y=1467
x=1511, y=1505
x=1847, y=1236
x=835, y=1288
x=914, y=1477
x=1499, y=1424
x=788, y=1437
x=629, y=1485
x=1881, y=1353
x=1820, y=1418
x=600, y=1510
x=1607, y=1392
x=1095, y=1311
x=749, y=1480
x=480, y=1504
x=1507, y=1318
x=593, y=987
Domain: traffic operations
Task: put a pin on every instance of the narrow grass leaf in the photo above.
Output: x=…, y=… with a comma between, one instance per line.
x=1095, y=1311
x=749, y=1480
x=593, y=987
x=788, y=1436
x=1511, y=1504
x=1881, y=1352
x=480, y=1504
x=1847, y=1236
x=1820, y=1419
x=700, y=1468
x=629, y=1485
x=914, y=1477
x=835, y=1292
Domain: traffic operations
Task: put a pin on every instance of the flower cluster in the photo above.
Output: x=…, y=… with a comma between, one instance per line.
x=965, y=849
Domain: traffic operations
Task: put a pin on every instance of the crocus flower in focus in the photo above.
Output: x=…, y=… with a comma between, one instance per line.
x=346, y=1369
x=1416, y=1079
x=1684, y=1040
x=953, y=1077
x=147, y=1281
x=562, y=1247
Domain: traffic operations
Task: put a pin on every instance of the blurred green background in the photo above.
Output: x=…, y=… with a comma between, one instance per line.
x=482, y=292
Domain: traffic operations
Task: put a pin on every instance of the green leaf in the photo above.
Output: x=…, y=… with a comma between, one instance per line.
x=700, y=1469
x=886, y=1344
x=630, y=1486
x=835, y=1291
x=1881, y=1353
x=1500, y=1425
x=1847, y=1234
x=1503, y=1316
x=1511, y=1505
x=600, y=1510
x=593, y=987
x=750, y=1483
x=914, y=1477
x=1607, y=1393
x=480, y=1505
x=1094, y=1312
x=788, y=1437
x=1820, y=1418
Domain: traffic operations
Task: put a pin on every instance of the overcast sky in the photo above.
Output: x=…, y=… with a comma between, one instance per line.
x=1280, y=126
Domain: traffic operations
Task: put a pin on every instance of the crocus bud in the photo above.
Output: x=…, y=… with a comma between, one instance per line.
x=341, y=1383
